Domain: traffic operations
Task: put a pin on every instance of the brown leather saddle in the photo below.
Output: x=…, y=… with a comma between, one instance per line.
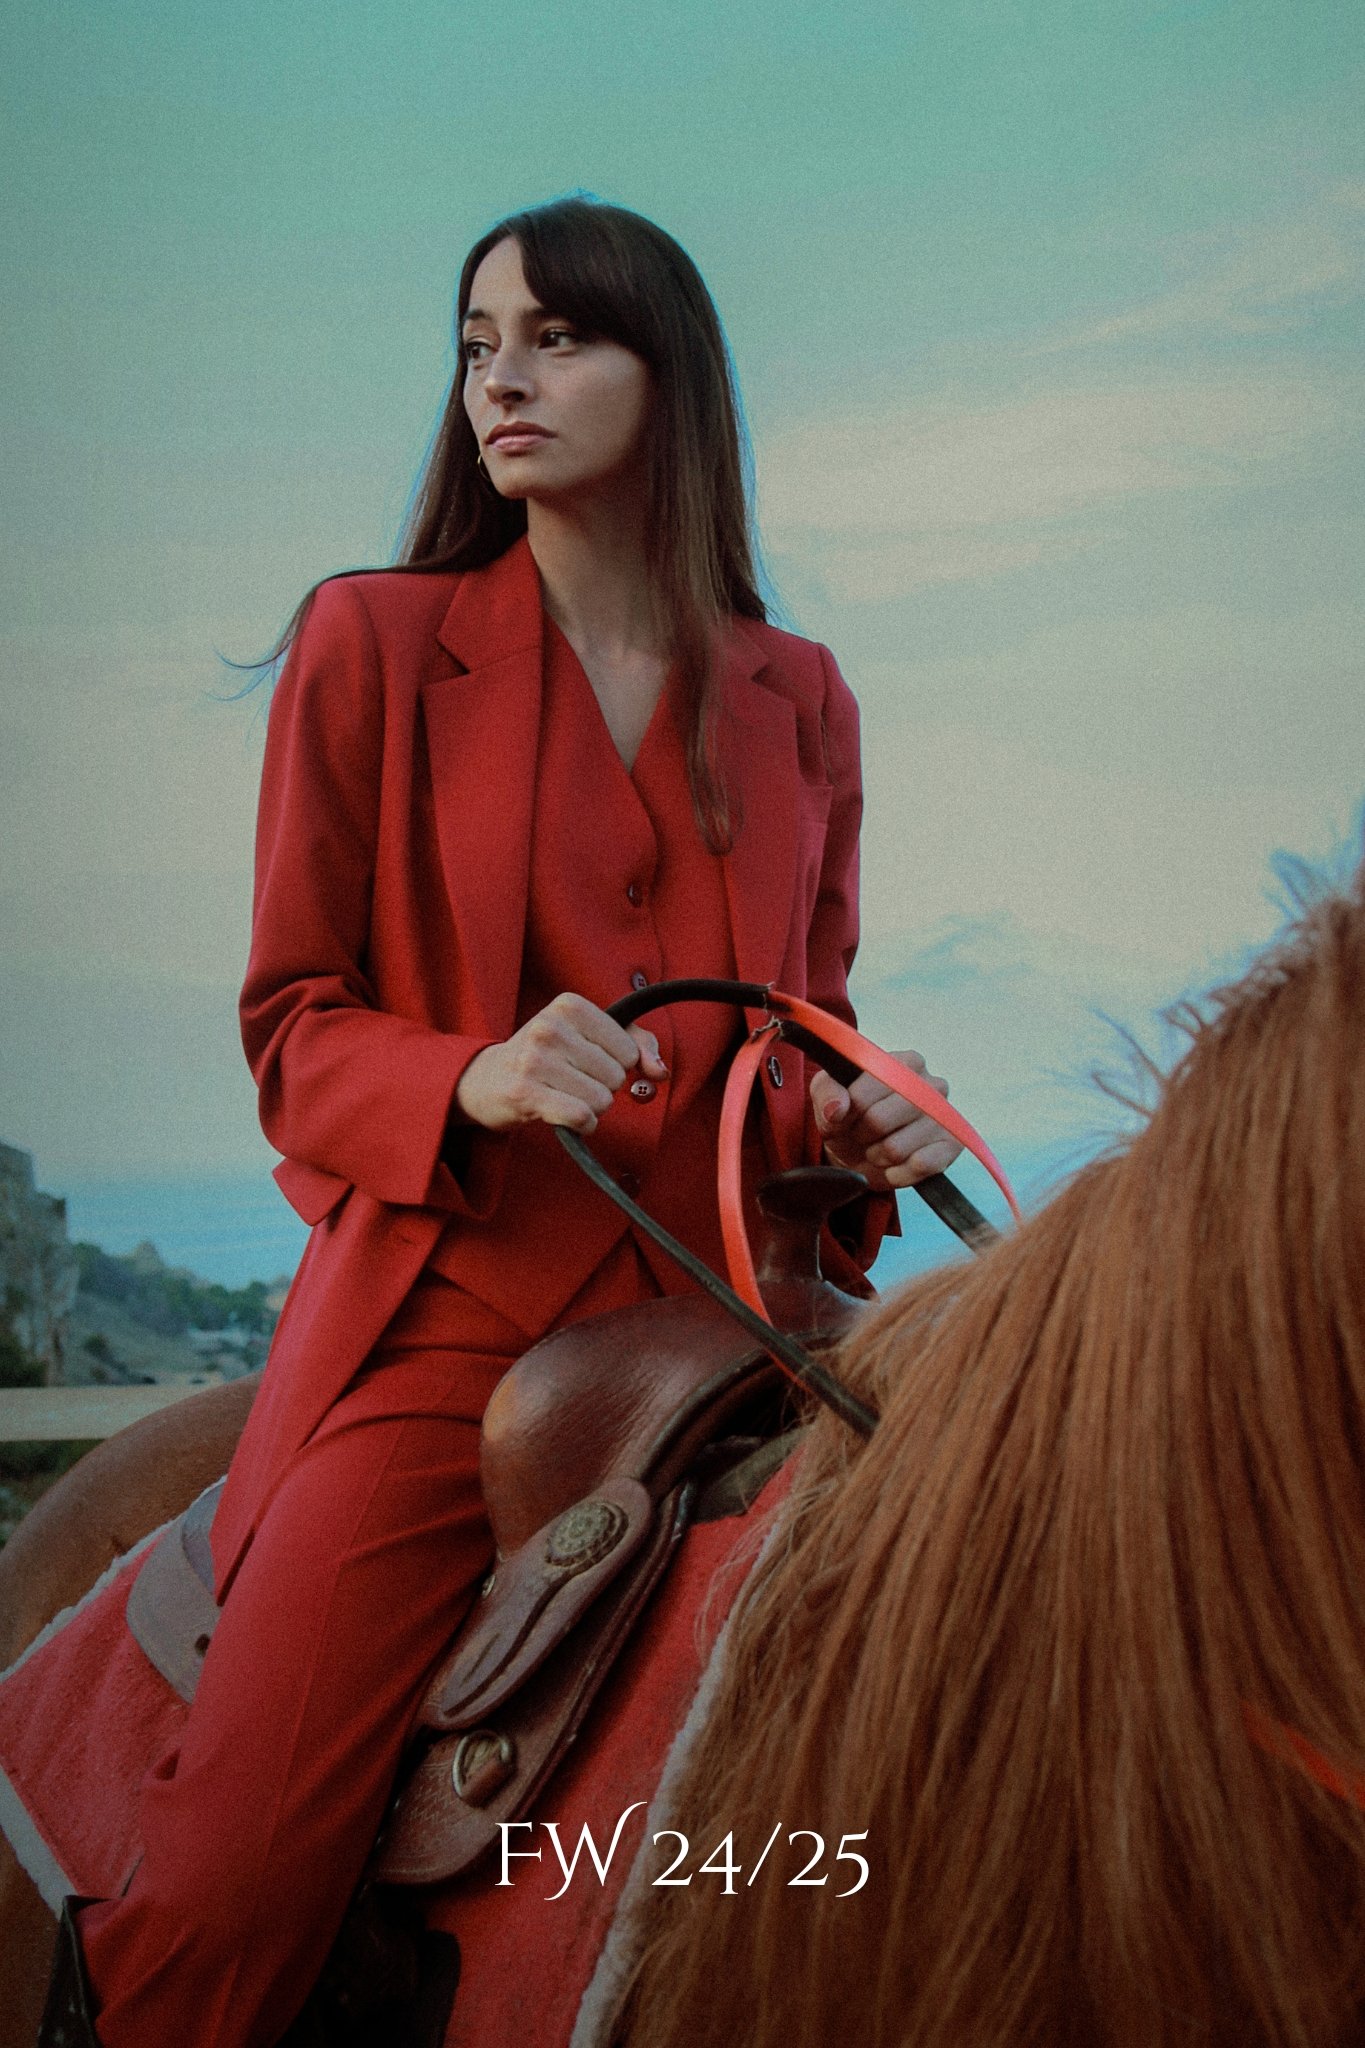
x=601, y=1445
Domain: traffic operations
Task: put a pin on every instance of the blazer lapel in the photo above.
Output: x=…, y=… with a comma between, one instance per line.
x=483, y=737
x=758, y=750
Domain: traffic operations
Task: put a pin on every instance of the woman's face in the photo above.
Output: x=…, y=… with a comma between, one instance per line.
x=556, y=412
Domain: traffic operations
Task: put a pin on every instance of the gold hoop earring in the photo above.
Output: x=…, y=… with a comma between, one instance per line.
x=480, y=464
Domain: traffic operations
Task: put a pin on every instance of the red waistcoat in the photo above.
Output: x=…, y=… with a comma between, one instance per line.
x=621, y=888
x=394, y=849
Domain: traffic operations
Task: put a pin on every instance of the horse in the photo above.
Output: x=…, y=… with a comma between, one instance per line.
x=1071, y=1650
x=1077, y=1639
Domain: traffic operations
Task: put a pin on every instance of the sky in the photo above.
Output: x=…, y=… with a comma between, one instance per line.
x=1047, y=317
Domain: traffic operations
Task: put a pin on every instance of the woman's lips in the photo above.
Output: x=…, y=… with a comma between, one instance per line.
x=518, y=440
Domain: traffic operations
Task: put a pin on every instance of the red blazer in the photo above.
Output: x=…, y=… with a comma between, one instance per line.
x=392, y=855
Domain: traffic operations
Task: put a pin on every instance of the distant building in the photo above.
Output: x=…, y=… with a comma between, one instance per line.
x=38, y=1268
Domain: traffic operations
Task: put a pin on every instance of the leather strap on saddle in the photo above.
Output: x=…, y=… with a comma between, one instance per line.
x=465, y=1783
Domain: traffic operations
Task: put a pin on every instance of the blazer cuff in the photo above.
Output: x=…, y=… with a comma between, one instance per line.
x=470, y=1167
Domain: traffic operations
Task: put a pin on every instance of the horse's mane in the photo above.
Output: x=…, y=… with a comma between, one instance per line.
x=1117, y=1495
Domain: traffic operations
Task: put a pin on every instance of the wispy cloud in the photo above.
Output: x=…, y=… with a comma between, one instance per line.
x=1056, y=973
x=932, y=491
x=1260, y=278
x=953, y=486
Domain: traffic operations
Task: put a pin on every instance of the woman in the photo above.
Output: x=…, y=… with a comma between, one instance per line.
x=557, y=753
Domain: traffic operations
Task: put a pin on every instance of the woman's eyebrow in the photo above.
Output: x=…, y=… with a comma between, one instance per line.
x=534, y=312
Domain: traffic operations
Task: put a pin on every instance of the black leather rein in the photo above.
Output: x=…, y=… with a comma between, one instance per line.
x=946, y=1200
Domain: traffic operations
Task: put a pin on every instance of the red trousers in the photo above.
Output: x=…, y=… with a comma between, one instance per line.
x=257, y=1825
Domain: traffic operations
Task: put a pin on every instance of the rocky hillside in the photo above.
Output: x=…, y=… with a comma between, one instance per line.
x=38, y=1270
x=71, y=1314
x=134, y=1317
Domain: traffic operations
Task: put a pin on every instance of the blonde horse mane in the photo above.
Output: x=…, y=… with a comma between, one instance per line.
x=1116, y=1497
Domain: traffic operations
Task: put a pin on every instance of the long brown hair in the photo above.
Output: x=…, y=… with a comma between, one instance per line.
x=1116, y=1498
x=616, y=275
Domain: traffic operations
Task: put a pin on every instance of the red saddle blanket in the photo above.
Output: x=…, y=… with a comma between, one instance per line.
x=84, y=1716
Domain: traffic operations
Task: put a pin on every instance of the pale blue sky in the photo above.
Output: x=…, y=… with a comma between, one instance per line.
x=1048, y=320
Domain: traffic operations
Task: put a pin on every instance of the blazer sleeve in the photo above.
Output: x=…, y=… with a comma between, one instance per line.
x=346, y=1087
x=832, y=939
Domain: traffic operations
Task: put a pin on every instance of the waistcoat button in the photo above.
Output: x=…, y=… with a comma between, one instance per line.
x=634, y=893
x=643, y=1091
x=629, y=1184
x=639, y=980
x=774, y=1070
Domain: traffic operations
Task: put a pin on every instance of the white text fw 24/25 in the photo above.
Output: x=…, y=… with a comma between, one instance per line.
x=721, y=1863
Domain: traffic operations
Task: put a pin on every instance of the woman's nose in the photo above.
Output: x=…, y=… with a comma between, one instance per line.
x=506, y=377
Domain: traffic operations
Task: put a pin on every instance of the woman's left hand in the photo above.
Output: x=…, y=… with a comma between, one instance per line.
x=878, y=1133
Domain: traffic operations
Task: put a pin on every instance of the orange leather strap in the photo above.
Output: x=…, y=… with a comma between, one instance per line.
x=816, y=1032
x=738, y=1088
x=1279, y=1740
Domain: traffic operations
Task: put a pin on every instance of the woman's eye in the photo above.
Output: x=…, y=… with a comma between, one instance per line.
x=475, y=349
x=556, y=335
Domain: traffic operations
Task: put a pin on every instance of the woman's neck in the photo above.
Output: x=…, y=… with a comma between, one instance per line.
x=594, y=575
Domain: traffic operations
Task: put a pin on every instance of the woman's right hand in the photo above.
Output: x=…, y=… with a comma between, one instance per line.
x=562, y=1067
